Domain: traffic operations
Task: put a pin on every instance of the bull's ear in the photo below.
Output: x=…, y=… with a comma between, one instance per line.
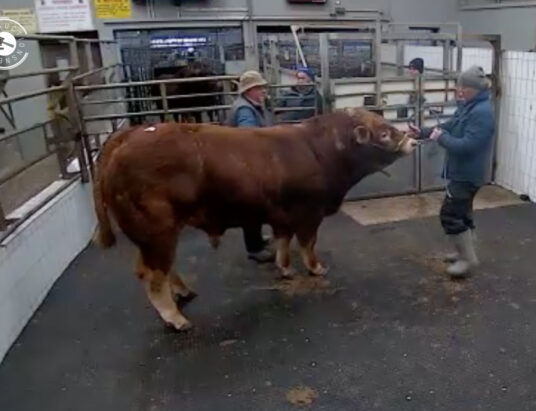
x=362, y=134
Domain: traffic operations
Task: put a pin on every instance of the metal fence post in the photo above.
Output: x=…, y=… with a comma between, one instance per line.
x=459, y=48
x=420, y=84
x=400, y=55
x=165, y=102
x=324, y=64
x=3, y=220
x=378, y=57
x=419, y=108
x=496, y=43
x=60, y=146
x=274, y=62
x=82, y=145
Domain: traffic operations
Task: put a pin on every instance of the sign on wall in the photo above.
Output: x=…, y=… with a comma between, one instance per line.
x=26, y=17
x=56, y=16
x=113, y=9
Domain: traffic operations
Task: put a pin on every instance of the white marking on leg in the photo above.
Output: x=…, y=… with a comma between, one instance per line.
x=311, y=261
x=158, y=289
x=283, y=257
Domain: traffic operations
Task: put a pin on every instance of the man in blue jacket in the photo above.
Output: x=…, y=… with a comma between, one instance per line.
x=467, y=139
x=249, y=110
x=300, y=96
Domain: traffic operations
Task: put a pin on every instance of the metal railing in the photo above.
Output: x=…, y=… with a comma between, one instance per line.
x=163, y=97
x=62, y=132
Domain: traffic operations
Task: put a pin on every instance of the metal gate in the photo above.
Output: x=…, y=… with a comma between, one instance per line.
x=367, y=69
x=399, y=97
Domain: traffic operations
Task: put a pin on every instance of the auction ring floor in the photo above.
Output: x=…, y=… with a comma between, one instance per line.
x=385, y=330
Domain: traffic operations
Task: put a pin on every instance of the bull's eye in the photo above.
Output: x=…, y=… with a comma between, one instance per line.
x=385, y=136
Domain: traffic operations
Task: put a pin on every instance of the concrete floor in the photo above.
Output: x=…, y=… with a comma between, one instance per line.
x=386, y=330
x=390, y=209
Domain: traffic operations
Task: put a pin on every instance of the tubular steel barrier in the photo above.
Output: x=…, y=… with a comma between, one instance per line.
x=62, y=132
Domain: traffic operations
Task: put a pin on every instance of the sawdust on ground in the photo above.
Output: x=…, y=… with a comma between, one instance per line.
x=302, y=396
x=302, y=285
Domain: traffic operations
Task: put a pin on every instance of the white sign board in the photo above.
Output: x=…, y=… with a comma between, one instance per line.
x=58, y=16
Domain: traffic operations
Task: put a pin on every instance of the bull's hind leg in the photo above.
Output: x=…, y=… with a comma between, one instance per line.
x=307, y=238
x=154, y=272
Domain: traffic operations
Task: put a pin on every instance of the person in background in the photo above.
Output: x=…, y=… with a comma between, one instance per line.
x=466, y=138
x=416, y=68
x=301, y=95
x=249, y=110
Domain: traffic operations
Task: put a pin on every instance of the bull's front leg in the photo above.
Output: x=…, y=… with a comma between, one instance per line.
x=282, y=258
x=307, y=239
x=283, y=235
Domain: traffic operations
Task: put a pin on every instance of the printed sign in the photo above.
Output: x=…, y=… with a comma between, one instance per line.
x=113, y=9
x=26, y=17
x=57, y=16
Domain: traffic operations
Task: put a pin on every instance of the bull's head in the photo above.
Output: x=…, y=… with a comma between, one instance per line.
x=373, y=130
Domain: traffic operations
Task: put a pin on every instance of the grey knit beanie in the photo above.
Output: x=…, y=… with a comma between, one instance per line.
x=474, y=77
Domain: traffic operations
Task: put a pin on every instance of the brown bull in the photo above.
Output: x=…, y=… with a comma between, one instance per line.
x=157, y=179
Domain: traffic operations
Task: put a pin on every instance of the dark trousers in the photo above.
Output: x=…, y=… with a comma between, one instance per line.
x=253, y=238
x=457, y=209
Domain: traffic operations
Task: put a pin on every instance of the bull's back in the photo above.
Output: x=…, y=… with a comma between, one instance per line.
x=215, y=175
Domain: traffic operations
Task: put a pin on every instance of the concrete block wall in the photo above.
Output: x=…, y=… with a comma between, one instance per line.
x=36, y=255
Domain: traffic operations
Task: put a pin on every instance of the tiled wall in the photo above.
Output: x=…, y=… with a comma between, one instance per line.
x=516, y=145
x=38, y=253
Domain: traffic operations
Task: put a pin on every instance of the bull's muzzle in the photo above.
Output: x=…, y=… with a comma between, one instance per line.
x=407, y=145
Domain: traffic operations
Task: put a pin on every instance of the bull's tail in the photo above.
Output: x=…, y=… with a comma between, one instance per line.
x=104, y=235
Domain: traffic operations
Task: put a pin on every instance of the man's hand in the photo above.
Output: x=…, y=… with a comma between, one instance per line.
x=436, y=134
x=414, y=129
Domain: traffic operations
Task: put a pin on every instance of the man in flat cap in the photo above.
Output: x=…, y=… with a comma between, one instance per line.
x=249, y=110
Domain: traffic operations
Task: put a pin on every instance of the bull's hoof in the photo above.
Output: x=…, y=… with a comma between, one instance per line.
x=184, y=300
x=319, y=271
x=287, y=273
x=180, y=326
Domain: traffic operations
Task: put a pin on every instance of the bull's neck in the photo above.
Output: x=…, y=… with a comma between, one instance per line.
x=346, y=166
x=338, y=161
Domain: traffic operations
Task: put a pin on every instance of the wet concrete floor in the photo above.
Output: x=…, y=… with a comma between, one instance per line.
x=386, y=330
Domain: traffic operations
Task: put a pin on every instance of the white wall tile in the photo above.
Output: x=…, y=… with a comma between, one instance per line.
x=516, y=148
